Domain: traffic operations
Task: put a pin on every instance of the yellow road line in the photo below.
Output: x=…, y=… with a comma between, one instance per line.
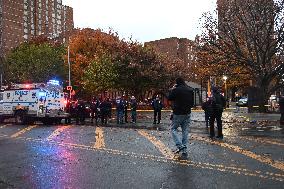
x=100, y=142
x=264, y=141
x=57, y=132
x=23, y=131
x=161, y=146
x=274, y=163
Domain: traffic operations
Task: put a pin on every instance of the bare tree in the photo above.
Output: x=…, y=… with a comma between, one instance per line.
x=248, y=34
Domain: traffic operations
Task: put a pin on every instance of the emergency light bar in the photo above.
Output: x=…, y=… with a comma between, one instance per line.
x=53, y=82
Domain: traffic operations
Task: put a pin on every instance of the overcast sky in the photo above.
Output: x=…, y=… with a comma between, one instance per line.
x=144, y=20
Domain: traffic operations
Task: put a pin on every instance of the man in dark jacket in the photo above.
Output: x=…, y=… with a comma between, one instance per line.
x=218, y=102
x=105, y=108
x=125, y=103
x=281, y=104
x=182, y=102
x=157, y=107
x=206, y=107
x=80, y=112
x=95, y=110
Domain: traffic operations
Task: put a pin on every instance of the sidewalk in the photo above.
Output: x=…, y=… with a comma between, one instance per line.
x=261, y=116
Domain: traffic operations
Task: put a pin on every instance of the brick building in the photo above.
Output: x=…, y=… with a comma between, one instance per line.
x=181, y=48
x=22, y=20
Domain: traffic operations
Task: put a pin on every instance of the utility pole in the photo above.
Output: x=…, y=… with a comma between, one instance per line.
x=69, y=71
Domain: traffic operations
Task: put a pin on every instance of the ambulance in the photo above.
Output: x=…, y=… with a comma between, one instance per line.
x=27, y=103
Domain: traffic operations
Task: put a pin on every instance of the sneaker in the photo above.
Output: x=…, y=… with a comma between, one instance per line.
x=211, y=137
x=184, y=154
x=219, y=137
x=179, y=149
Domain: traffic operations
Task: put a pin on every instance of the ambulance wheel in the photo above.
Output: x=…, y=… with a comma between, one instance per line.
x=47, y=121
x=30, y=120
x=58, y=121
x=20, y=117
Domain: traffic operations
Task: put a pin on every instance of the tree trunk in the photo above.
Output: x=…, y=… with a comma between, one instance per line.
x=257, y=99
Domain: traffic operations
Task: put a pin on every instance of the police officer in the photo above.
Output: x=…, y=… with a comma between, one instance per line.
x=157, y=106
x=119, y=110
x=68, y=110
x=105, y=108
x=81, y=112
x=125, y=103
x=95, y=110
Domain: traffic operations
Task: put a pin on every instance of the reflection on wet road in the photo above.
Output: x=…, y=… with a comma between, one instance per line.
x=73, y=156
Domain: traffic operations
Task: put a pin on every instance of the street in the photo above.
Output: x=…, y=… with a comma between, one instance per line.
x=140, y=156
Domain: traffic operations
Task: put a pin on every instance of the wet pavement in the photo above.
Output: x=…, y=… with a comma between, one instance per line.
x=140, y=155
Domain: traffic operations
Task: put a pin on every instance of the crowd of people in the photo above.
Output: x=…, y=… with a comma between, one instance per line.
x=181, y=97
x=101, y=108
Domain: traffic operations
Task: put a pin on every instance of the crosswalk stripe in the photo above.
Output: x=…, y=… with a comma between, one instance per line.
x=274, y=163
x=99, y=143
x=23, y=131
x=57, y=132
x=161, y=146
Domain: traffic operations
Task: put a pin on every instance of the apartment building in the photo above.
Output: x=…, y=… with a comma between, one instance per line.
x=181, y=48
x=21, y=20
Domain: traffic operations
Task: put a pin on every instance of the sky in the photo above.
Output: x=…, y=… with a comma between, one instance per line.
x=142, y=20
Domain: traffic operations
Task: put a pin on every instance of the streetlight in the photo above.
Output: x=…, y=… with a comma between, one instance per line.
x=226, y=92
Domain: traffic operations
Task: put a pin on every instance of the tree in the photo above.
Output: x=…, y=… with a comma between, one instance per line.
x=35, y=62
x=248, y=35
x=103, y=62
x=99, y=76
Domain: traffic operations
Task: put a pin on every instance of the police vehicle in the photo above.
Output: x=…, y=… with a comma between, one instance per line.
x=33, y=102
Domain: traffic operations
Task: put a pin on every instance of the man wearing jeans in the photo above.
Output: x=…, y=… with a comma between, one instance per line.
x=182, y=102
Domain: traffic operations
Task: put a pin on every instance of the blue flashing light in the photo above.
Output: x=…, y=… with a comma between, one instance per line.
x=42, y=94
x=53, y=82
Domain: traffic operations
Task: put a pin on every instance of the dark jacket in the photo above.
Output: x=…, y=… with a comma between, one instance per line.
x=157, y=105
x=105, y=107
x=182, y=98
x=95, y=105
x=206, y=106
x=281, y=104
x=120, y=105
x=133, y=105
x=218, y=102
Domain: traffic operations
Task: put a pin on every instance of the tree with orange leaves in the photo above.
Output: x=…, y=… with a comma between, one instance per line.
x=248, y=36
x=101, y=61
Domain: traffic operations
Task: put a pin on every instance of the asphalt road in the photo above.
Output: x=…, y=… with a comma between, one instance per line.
x=85, y=156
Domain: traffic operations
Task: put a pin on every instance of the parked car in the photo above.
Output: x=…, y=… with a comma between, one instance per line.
x=242, y=102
